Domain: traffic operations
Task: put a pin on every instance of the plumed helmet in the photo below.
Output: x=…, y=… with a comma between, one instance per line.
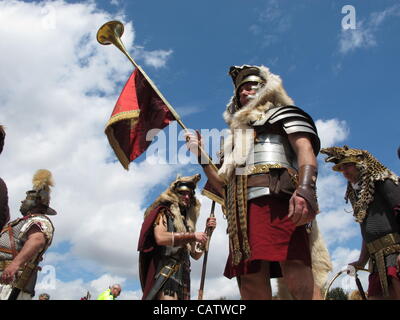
x=39, y=196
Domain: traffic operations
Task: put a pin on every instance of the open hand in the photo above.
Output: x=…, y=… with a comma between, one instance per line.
x=193, y=142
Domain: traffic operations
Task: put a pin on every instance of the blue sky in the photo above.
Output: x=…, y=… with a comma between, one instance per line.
x=298, y=40
x=55, y=108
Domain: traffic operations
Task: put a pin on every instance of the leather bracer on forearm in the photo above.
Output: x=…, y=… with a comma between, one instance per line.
x=183, y=238
x=307, y=187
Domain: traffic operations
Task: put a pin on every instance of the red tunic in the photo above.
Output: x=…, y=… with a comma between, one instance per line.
x=374, y=283
x=272, y=237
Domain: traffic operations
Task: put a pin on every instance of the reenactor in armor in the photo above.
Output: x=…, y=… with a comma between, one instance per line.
x=4, y=210
x=167, y=238
x=24, y=241
x=268, y=179
x=374, y=193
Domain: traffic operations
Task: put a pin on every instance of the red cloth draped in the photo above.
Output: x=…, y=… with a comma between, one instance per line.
x=138, y=110
x=272, y=237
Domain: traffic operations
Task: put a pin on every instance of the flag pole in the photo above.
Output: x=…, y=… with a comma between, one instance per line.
x=205, y=258
x=110, y=33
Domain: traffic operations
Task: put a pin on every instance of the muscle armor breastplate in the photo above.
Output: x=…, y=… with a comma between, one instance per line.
x=272, y=149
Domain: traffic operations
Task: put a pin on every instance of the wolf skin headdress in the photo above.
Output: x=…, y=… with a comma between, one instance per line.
x=170, y=198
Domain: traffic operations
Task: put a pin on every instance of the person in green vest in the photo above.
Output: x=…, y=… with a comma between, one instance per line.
x=110, y=294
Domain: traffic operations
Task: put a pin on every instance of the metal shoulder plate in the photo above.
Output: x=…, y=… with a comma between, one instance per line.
x=293, y=120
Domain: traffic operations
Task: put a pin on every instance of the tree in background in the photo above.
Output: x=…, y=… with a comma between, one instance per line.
x=337, y=294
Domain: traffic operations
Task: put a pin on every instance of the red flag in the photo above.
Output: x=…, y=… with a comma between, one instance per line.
x=138, y=110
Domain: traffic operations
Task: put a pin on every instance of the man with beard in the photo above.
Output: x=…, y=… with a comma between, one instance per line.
x=167, y=238
x=374, y=193
x=268, y=177
x=24, y=241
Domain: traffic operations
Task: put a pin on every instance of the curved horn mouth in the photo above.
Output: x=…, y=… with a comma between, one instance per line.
x=109, y=31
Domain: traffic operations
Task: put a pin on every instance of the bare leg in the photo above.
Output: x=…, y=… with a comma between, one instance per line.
x=162, y=296
x=396, y=289
x=317, y=295
x=299, y=279
x=256, y=286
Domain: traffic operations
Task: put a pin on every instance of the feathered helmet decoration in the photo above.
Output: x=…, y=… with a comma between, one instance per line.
x=39, y=196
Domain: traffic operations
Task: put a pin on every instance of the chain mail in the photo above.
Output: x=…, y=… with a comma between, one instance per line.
x=20, y=227
x=5, y=239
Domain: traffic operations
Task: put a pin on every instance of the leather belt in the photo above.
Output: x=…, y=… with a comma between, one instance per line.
x=378, y=250
x=382, y=243
x=260, y=180
x=165, y=273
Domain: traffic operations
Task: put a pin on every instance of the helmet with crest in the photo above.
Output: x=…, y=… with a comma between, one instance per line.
x=39, y=197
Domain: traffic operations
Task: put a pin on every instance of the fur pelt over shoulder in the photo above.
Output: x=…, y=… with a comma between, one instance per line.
x=170, y=199
x=271, y=95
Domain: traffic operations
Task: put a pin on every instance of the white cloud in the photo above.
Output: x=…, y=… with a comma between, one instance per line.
x=76, y=289
x=364, y=35
x=341, y=257
x=217, y=288
x=272, y=22
x=331, y=131
x=335, y=220
x=377, y=18
x=156, y=58
x=115, y=2
x=361, y=37
x=187, y=111
x=58, y=88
